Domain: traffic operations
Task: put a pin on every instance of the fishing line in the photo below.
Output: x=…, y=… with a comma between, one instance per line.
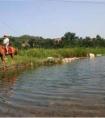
x=8, y=26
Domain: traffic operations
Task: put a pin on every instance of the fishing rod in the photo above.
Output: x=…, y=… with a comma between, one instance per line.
x=8, y=26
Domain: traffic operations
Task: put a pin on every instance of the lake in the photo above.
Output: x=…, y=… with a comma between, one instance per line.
x=73, y=89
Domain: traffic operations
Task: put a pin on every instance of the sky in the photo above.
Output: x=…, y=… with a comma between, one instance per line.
x=52, y=18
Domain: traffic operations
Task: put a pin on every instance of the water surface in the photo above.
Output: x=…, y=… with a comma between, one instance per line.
x=74, y=89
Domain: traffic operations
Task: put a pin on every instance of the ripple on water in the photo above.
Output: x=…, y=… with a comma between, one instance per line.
x=75, y=89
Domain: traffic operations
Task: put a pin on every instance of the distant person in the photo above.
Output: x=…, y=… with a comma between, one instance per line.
x=6, y=43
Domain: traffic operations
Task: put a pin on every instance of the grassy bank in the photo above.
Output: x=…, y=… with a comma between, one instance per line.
x=38, y=56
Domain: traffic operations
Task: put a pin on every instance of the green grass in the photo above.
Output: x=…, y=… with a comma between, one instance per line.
x=43, y=53
x=38, y=56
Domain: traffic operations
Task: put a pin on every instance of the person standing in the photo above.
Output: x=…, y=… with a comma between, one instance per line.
x=6, y=43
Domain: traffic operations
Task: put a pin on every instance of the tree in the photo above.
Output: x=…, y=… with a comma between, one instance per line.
x=69, y=39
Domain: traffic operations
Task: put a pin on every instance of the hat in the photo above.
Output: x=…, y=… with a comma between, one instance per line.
x=5, y=35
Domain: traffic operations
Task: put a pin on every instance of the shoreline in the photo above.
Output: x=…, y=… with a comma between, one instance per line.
x=44, y=62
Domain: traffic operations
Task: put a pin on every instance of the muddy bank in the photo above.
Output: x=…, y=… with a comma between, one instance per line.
x=56, y=110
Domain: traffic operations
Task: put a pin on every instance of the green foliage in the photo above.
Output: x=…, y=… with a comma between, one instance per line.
x=69, y=40
x=38, y=56
x=42, y=53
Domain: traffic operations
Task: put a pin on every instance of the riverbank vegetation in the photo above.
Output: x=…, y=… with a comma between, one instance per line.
x=36, y=49
x=38, y=56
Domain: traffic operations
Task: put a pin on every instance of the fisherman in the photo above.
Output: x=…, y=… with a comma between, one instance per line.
x=6, y=43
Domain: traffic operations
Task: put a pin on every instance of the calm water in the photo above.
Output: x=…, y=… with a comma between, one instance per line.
x=74, y=89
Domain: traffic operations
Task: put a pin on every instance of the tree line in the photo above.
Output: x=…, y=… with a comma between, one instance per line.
x=68, y=40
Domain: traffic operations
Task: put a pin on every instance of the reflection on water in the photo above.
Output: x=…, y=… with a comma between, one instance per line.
x=75, y=89
x=6, y=84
